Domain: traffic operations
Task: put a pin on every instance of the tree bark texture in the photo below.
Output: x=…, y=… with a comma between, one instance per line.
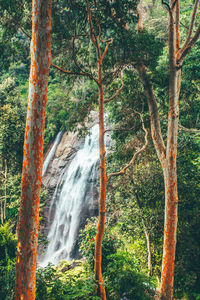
x=169, y=165
x=33, y=151
x=102, y=153
x=167, y=157
x=102, y=196
x=167, y=154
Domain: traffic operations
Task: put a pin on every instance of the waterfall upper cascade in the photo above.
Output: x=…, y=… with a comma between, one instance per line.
x=73, y=196
x=51, y=152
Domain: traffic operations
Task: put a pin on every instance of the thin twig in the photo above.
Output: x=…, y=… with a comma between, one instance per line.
x=117, y=92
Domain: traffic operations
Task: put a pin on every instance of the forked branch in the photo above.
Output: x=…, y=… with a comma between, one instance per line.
x=190, y=41
x=117, y=92
x=122, y=172
x=184, y=51
x=193, y=17
x=106, y=48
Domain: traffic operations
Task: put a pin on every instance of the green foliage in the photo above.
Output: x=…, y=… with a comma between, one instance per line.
x=187, y=279
x=12, y=124
x=8, y=245
x=87, y=245
x=65, y=282
x=124, y=279
x=121, y=270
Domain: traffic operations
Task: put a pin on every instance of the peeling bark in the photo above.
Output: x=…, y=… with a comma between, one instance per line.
x=33, y=151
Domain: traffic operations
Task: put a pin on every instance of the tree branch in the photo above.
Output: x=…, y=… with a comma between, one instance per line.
x=106, y=48
x=190, y=30
x=184, y=51
x=194, y=130
x=117, y=92
x=122, y=172
x=92, y=33
x=28, y=35
x=74, y=56
x=173, y=4
x=153, y=110
x=74, y=73
x=167, y=5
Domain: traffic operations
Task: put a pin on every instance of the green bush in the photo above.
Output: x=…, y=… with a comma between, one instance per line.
x=7, y=262
x=123, y=279
x=65, y=282
x=110, y=243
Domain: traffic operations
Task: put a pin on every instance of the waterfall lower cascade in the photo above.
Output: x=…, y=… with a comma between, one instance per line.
x=73, y=196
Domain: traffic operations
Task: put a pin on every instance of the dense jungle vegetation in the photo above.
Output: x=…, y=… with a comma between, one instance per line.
x=133, y=241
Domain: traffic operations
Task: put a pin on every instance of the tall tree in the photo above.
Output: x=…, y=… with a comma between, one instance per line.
x=167, y=153
x=33, y=150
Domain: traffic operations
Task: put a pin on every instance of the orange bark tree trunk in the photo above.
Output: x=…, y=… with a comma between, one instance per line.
x=33, y=151
x=167, y=154
x=169, y=165
x=102, y=191
x=102, y=152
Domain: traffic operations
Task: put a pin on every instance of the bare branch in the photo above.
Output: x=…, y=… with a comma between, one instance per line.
x=193, y=17
x=184, y=51
x=28, y=35
x=193, y=130
x=106, y=48
x=117, y=92
x=92, y=33
x=167, y=5
x=153, y=110
x=99, y=36
x=119, y=129
x=74, y=73
x=122, y=172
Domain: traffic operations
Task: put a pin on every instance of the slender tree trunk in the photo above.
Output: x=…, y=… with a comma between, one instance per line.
x=102, y=153
x=1, y=195
x=167, y=155
x=147, y=235
x=148, y=240
x=5, y=189
x=33, y=151
x=170, y=166
x=102, y=191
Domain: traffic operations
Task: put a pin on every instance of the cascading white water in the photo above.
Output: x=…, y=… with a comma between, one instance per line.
x=69, y=201
x=51, y=152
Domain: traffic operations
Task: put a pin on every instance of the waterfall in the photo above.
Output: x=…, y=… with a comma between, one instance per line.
x=73, y=196
x=51, y=152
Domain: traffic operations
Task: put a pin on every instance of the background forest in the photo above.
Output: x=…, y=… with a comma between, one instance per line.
x=132, y=246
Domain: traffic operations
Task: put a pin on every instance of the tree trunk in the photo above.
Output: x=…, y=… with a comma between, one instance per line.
x=147, y=235
x=5, y=189
x=169, y=166
x=33, y=151
x=167, y=155
x=102, y=189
